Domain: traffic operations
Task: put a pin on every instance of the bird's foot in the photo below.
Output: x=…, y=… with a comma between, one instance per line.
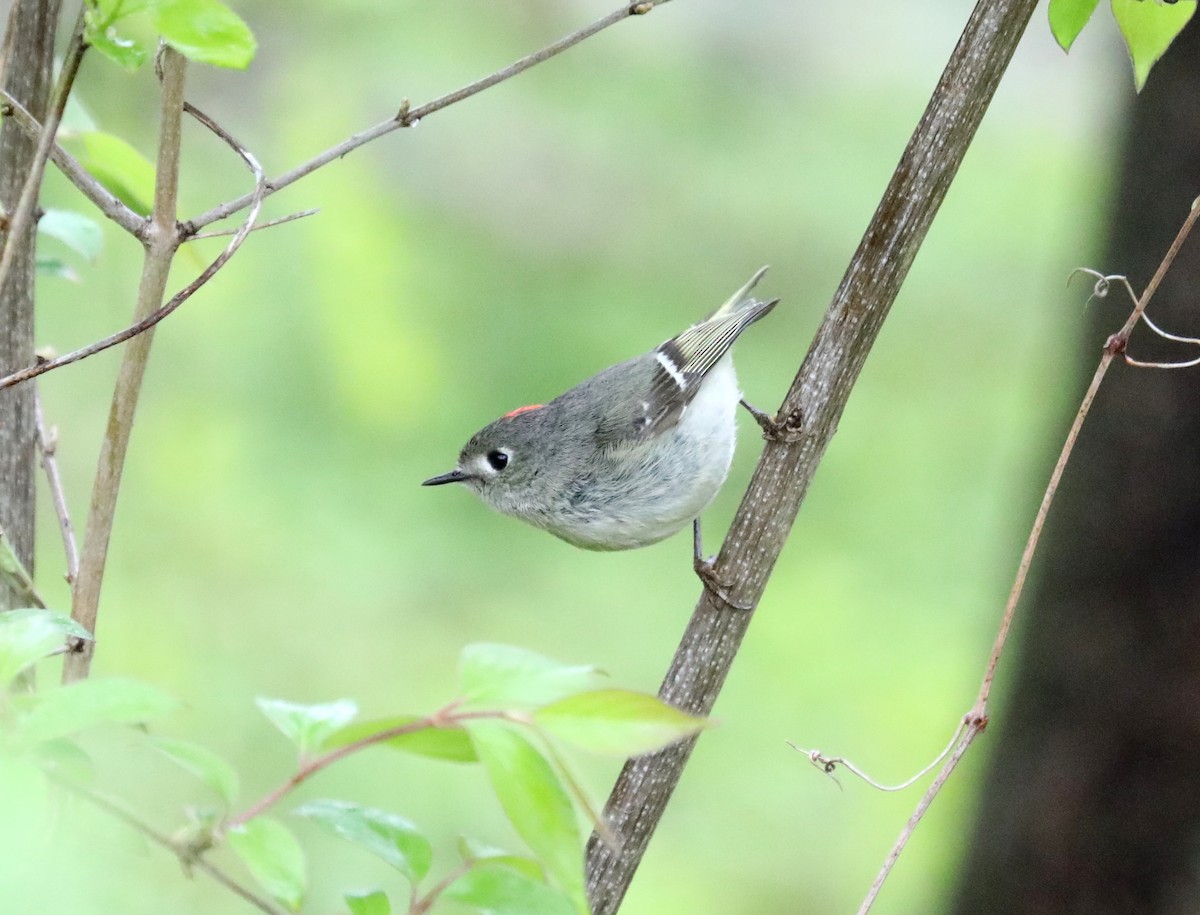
x=708, y=575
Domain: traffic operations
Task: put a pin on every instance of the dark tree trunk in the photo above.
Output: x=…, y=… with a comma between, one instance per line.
x=1092, y=804
x=30, y=54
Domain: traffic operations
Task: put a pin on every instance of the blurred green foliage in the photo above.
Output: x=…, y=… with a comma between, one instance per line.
x=272, y=539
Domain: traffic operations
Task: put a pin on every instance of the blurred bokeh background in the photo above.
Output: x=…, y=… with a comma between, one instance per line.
x=272, y=538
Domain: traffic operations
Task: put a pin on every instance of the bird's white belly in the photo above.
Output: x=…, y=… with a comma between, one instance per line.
x=670, y=482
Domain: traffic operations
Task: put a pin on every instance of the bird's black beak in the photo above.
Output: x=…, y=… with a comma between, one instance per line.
x=454, y=476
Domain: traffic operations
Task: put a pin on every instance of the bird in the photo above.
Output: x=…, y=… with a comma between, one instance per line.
x=630, y=455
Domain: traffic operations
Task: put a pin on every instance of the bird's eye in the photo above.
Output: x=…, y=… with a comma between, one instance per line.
x=497, y=459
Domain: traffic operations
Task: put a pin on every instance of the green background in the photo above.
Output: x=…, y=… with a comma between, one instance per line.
x=272, y=538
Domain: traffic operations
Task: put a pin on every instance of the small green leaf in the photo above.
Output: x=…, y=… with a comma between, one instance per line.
x=273, y=856
x=474, y=850
x=110, y=11
x=390, y=837
x=66, y=710
x=498, y=890
x=374, y=903
x=27, y=636
x=56, y=267
x=452, y=744
x=1149, y=27
x=205, y=31
x=67, y=760
x=78, y=232
x=1067, y=19
x=202, y=763
x=617, y=722
x=124, y=171
x=76, y=119
x=534, y=799
x=127, y=53
x=307, y=726
x=504, y=676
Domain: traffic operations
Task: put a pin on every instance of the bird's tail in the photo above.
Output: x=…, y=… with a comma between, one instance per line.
x=741, y=299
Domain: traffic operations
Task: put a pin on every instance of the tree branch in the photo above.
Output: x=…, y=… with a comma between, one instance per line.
x=410, y=117
x=806, y=422
x=48, y=441
x=22, y=217
x=186, y=858
x=28, y=57
x=105, y=202
x=161, y=242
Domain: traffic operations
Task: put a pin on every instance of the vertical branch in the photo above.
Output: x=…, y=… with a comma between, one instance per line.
x=161, y=241
x=28, y=59
x=806, y=423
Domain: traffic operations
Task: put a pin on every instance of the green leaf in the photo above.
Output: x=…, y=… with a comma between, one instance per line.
x=127, y=53
x=109, y=11
x=534, y=799
x=15, y=575
x=504, y=676
x=78, y=232
x=202, y=763
x=76, y=119
x=453, y=744
x=307, y=726
x=69, y=709
x=205, y=31
x=387, y=835
x=27, y=636
x=56, y=267
x=500, y=891
x=374, y=903
x=473, y=850
x=1149, y=28
x=273, y=856
x=1067, y=19
x=124, y=171
x=67, y=760
x=616, y=722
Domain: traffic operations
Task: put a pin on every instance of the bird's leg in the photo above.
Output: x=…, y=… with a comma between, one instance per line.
x=708, y=576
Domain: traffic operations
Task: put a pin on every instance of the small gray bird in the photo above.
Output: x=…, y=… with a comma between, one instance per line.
x=632, y=454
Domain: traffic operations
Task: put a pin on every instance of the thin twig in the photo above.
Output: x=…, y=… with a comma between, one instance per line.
x=97, y=193
x=829, y=764
x=976, y=720
x=909, y=827
x=262, y=225
x=185, y=856
x=419, y=906
x=16, y=576
x=48, y=442
x=154, y=317
x=410, y=117
x=163, y=241
x=21, y=217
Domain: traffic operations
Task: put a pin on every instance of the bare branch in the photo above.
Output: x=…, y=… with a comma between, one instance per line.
x=20, y=219
x=96, y=192
x=977, y=719
x=410, y=117
x=48, y=441
x=164, y=240
x=157, y=315
x=186, y=857
x=806, y=423
x=262, y=225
